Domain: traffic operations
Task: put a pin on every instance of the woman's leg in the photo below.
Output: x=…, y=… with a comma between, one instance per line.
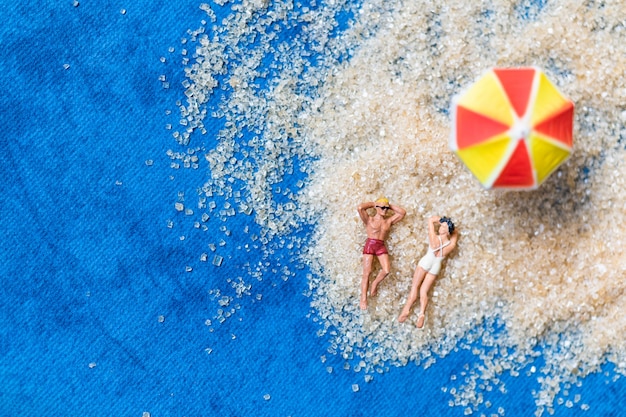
x=418, y=277
x=428, y=282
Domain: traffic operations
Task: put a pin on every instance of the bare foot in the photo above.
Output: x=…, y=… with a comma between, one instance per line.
x=420, y=320
x=404, y=314
x=363, y=304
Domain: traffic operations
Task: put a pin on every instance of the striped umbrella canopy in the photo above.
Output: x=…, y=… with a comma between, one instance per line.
x=512, y=128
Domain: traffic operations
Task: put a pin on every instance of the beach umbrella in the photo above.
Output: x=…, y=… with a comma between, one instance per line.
x=512, y=128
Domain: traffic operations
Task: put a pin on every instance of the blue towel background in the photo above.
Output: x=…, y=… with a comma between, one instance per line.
x=88, y=263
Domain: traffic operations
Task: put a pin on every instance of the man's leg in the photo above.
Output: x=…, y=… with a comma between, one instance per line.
x=384, y=271
x=365, y=280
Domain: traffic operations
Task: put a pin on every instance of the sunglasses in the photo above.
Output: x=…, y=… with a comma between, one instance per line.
x=383, y=207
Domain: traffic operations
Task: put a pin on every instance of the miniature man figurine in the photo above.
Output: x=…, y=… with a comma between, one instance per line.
x=377, y=228
x=440, y=243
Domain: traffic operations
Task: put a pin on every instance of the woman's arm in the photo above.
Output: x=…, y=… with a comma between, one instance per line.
x=453, y=238
x=432, y=233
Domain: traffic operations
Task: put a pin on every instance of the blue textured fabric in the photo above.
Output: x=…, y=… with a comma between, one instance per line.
x=88, y=264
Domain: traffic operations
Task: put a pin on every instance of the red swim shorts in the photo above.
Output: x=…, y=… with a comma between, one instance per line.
x=374, y=247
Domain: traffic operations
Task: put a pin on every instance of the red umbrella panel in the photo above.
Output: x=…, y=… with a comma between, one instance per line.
x=512, y=128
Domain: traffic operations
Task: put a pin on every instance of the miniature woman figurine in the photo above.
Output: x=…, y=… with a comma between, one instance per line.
x=440, y=243
x=377, y=228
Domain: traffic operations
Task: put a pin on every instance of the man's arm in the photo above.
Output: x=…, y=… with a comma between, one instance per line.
x=362, y=209
x=398, y=215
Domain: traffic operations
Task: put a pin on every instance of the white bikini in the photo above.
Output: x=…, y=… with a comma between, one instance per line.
x=430, y=262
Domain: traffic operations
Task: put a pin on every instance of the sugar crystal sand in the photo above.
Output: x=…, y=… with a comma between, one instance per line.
x=535, y=273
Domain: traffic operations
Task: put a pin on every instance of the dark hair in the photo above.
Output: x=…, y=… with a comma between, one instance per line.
x=448, y=220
